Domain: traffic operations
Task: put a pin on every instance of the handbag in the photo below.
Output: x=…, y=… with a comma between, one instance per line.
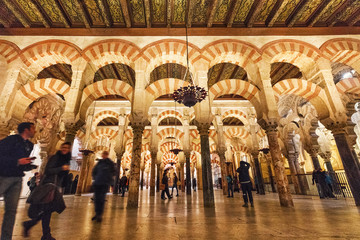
x=178, y=183
x=43, y=193
x=162, y=187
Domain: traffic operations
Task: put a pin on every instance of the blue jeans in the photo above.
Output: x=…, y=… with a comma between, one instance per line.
x=230, y=190
x=10, y=188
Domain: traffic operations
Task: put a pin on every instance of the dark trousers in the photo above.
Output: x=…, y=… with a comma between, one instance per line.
x=246, y=189
x=230, y=190
x=165, y=191
x=123, y=190
x=177, y=190
x=100, y=195
x=45, y=222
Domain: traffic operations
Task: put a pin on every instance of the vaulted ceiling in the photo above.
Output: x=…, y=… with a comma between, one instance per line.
x=221, y=14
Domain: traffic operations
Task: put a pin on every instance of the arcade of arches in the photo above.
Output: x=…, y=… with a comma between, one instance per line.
x=284, y=105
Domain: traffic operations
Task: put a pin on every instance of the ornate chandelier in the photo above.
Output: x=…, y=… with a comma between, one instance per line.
x=189, y=95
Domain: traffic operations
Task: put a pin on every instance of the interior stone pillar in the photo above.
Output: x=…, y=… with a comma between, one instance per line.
x=199, y=179
x=158, y=177
x=142, y=172
x=152, y=173
x=182, y=177
x=133, y=199
x=349, y=162
x=314, y=151
x=258, y=173
x=188, y=172
x=208, y=190
x=271, y=176
x=83, y=171
x=224, y=173
x=117, y=175
x=70, y=132
x=279, y=168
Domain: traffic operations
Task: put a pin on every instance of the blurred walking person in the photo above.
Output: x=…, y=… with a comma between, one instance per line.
x=122, y=184
x=165, y=187
x=194, y=184
x=175, y=185
x=230, y=182
x=103, y=176
x=245, y=182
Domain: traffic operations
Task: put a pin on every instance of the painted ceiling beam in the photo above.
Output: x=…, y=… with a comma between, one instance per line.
x=256, y=12
x=190, y=7
x=338, y=13
x=147, y=13
x=273, y=19
x=169, y=13
x=354, y=18
x=39, y=13
x=66, y=21
x=299, y=13
x=17, y=14
x=213, y=8
x=104, y=13
x=233, y=13
x=80, y=7
x=125, y=10
x=4, y=23
x=322, y=8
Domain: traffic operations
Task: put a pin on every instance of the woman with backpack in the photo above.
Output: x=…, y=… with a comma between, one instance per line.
x=55, y=173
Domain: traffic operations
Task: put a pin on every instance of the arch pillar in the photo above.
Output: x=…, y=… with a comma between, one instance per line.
x=182, y=177
x=188, y=172
x=260, y=180
x=158, y=177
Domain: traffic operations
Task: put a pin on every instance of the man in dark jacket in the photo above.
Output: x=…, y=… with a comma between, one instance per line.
x=103, y=175
x=123, y=182
x=165, y=181
x=14, y=160
x=245, y=182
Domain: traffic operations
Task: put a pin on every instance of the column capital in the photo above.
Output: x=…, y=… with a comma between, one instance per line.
x=153, y=155
x=336, y=127
x=138, y=127
x=203, y=128
x=255, y=154
x=187, y=154
x=270, y=127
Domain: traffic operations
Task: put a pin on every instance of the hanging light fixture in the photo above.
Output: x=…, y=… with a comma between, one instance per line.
x=175, y=150
x=192, y=94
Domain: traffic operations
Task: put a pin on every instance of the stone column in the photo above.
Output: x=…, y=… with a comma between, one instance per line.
x=142, y=172
x=152, y=173
x=208, y=190
x=158, y=177
x=199, y=179
x=280, y=175
x=293, y=172
x=314, y=151
x=188, y=172
x=70, y=132
x=182, y=177
x=117, y=176
x=271, y=176
x=349, y=162
x=133, y=199
x=258, y=173
x=83, y=171
x=224, y=173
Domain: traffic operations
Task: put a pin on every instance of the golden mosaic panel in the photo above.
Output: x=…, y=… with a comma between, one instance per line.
x=7, y=14
x=224, y=71
x=265, y=10
x=178, y=15
x=330, y=9
x=51, y=10
x=200, y=10
x=222, y=10
x=72, y=11
x=137, y=10
x=309, y=9
x=350, y=10
x=169, y=70
x=243, y=10
x=158, y=12
x=287, y=10
x=94, y=11
x=116, y=11
x=29, y=8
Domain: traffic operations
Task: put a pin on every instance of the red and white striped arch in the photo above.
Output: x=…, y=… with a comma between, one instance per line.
x=104, y=132
x=239, y=132
x=170, y=113
x=9, y=51
x=170, y=132
x=231, y=51
x=196, y=147
x=301, y=54
x=129, y=147
x=38, y=88
x=126, y=161
x=80, y=134
x=194, y=134
x=104, y=88
x=105, y=114
x=101, y=148
x=145, y=147
x=146, y=133
x=193, y=158
x=111, y=51
x=46, y=53
x=240, y=148
x=349, y=85
x=164, y=86
x=237, y=114
x=213, y=148
x=213, y=135
x=169, y=157
x=233, y=86
x=167, y=146
x=128, y=135
x=343, y=50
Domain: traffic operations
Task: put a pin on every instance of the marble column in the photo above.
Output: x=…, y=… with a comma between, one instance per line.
x=133, y=199
x=152, y=173
x=208, y=190
x=158, y=177
x=83, y=171
x=258, y=173
x=70, y=132
x=188, y=172
x=349, y=162
x=314, y=151
x=182, y=177
x=279, y=168
x=224, y=173
x=293, y=172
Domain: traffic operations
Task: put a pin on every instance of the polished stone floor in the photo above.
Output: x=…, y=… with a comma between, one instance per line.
x=185, y=218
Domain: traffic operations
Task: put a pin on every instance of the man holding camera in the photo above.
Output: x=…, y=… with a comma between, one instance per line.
x=14, y=160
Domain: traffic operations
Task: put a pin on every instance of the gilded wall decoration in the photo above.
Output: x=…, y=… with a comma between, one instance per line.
x=350, y=10
x=137, y=10
x=309, y=9
x=224, y=71
x=330, y=9
x=94, y=11
x=265, y=10
x=72, y=11
x=169, y=70
x=200, y=11
x=116, y=11
x=222, y=10
x=179, y=11
x=116, y=71
x=29, y=8
x=58, y=71
x=281, y=71
x=287, y=10
x=243, y=10
x=51, y=10
x=158, y=8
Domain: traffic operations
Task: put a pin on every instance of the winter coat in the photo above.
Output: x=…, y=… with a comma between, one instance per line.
x=243, y=171
x=104, y=172
x=12, y=148
x=165, y=180
x=53, y=169
x=175, y=181
x=123, y=181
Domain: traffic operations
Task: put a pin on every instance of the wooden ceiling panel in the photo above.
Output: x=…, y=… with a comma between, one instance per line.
x=265, y=11
x=169, y=70
x=137, y=13
x=329, y=10
x=287, y=10
x=116, y=11
x=72, y=12
x=243, y=11
x=52, y=11
x=224, y=71
x=222, y=11
x=94, y=13
x=309, y=9
x=200, y=12
x=116, y=71
x=7, y=18
x=178, y=12
x=158, y=12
